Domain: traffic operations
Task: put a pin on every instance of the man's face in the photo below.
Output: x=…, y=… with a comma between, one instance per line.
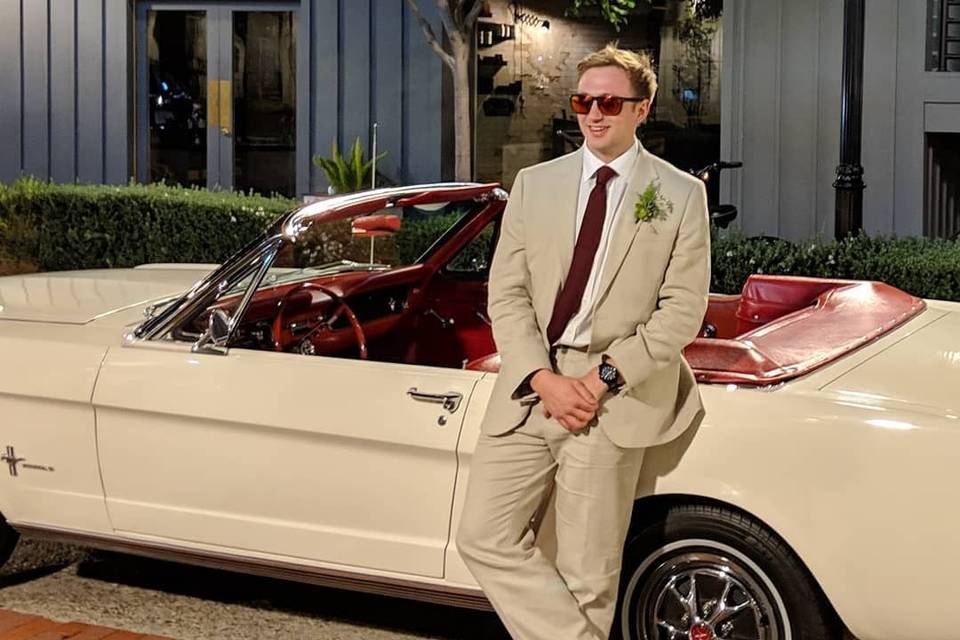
x=609, y=136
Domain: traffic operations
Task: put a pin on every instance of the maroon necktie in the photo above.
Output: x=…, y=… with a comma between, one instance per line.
x=571, y=295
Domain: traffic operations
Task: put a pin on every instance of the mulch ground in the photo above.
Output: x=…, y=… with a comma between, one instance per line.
x=22, y=626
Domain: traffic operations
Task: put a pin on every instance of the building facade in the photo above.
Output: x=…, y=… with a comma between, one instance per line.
x=243, y=95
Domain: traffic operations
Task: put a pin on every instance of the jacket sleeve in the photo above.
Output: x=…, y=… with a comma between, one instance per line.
x=681, y=301
x=510, y=303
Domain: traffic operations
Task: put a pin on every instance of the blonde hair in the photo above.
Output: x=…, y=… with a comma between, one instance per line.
x=637, y=64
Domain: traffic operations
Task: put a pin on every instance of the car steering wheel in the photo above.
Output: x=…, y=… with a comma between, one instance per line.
x=341, y=306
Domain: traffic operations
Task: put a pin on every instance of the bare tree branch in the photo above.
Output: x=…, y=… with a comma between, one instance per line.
x=449, y=20
x=431, y=38
x=471, y=19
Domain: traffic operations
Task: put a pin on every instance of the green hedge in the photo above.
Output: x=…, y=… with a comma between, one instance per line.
x=925, y=267
x=49, y=227
x=85, y=226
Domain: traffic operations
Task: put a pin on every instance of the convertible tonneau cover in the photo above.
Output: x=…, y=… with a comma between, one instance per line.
x=785, y=326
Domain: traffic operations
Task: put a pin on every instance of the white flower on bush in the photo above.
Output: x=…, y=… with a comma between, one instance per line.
x=729, y=254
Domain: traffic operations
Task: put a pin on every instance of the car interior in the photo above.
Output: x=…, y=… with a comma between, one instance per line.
x=433, y=312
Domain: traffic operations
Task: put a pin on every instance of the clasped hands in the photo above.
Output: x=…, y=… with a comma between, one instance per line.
x=573, y=402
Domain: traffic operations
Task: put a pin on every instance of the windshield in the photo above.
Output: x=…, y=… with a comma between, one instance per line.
x=385, y=239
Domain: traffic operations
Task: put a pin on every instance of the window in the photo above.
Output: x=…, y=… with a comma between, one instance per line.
x=943, y=35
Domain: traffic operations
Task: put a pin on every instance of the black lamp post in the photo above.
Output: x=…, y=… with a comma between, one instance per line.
x=849, y=183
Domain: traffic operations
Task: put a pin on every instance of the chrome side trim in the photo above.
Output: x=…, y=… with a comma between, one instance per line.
x=338, y=579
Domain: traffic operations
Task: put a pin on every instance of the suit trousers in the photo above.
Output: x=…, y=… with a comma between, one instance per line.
x=511, y=478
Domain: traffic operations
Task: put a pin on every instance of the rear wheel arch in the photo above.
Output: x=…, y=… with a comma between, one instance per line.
x=651, y=512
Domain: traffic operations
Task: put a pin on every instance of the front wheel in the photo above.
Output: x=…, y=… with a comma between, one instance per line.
x=8, y=540
x=709, y=573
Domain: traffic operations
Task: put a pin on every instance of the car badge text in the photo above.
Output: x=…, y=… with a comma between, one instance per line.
x=10, y=457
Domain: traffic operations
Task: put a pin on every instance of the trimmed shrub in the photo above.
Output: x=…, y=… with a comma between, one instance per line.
x=924, y=267
x=59, y=227
x=47, y=227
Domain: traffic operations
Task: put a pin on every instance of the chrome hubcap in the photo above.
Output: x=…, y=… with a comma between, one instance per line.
x=702, y=594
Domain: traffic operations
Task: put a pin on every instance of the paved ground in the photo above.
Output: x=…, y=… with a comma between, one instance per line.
x=65, y=583
x=23, y=626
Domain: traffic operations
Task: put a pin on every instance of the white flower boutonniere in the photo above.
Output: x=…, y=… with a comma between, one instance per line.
x=652, y=204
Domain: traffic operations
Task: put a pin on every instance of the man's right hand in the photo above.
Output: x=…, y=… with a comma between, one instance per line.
x=566, y=399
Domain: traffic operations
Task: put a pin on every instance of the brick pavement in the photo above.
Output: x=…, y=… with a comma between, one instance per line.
x=22, y=626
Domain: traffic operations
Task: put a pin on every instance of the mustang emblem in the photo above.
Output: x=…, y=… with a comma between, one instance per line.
x=12, y=460
x=10, y=457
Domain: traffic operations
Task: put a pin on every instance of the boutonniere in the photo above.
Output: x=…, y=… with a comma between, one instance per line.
x=652, y=204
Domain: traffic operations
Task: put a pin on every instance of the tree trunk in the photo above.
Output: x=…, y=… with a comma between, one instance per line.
x=463, y=138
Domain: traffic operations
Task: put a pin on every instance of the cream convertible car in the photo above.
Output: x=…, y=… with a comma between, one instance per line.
x=308, y=410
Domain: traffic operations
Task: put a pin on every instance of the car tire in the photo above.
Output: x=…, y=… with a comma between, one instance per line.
x=734, y=562
x=8, y=540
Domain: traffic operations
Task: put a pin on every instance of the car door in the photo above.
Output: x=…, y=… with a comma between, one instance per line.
x=333, y=460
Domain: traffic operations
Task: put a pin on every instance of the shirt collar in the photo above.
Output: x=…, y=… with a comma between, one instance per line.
x=621, y=164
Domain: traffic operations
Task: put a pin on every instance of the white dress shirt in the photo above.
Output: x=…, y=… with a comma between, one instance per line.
x=577, y=332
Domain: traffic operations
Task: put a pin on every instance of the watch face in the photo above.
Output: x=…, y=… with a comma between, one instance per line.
x=608, y=373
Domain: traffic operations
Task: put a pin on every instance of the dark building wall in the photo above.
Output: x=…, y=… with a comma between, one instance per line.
x=64, y=110
x=67, y=68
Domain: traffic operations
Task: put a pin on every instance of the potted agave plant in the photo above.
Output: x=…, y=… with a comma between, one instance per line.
x=347, y=173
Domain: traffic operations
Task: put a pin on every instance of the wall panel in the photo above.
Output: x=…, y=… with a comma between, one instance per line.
x=90, y=91
x=10, y=97
x=36, y=89
x=63, y=92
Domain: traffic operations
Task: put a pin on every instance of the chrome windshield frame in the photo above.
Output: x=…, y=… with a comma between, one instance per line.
x=287, y=229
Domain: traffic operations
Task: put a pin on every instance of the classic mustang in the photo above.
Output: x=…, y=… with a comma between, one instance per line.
x=309, y=408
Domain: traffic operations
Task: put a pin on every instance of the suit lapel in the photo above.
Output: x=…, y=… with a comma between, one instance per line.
x=563, y=216
x=625, y=223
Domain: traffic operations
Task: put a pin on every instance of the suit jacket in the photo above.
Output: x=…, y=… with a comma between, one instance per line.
x=651, y=301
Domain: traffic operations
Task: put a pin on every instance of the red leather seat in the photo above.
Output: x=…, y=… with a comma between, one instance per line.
x=786, y=326
x=489, y=362
x=841, y=316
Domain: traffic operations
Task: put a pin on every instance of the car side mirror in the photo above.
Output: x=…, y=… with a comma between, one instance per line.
x=214, y=339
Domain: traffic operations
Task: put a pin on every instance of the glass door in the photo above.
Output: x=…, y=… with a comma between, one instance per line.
x=217, y=95
x=264, y=92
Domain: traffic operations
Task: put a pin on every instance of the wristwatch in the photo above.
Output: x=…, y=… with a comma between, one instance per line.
x=610, y=375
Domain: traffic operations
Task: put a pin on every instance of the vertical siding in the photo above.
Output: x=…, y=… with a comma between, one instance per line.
x=59, y=60
x=911, y=89
x=370, y=61
x=423, y=76
x=90, y=90
x=829, y=73
x=355, y=71
x=67, y=108
x=325, y=15
x=388, y=83
x=880, y=83
x=761, y=118
x=10, y=97
x=798, y=112
x=36, y=89
x=63, y=92
x=116, y=103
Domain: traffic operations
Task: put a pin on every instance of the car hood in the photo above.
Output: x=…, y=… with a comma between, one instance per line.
x=78, y=297
x=920, y=372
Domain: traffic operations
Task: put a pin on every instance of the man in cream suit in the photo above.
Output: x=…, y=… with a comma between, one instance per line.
x=600, y=278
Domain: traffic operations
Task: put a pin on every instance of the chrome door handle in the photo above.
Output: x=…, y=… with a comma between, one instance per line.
x=450, y=400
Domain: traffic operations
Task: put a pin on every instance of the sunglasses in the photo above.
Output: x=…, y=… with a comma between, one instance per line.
x=609, y=105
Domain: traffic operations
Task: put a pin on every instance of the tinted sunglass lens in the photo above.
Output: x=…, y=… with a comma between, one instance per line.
x=610, y=105
x=580, y=103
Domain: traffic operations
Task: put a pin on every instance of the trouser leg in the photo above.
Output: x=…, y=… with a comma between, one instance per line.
x=595, y=489
x=595, y=486
x=510, y=477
